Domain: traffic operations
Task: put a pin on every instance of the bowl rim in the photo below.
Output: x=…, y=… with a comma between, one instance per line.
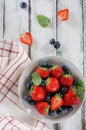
x=50, y=120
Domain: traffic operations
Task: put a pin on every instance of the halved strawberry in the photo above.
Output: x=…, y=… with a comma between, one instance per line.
x=63, y=14
x=56, y=102
x=42, y=107
x=70, y=98
x=66, y=80
x=56, y=71
x=52, y=85
x=37, y=93
x=26, y=38
x=43, y=72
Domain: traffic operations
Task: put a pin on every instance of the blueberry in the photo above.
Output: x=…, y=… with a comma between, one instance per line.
x=75, y=82
x=59, y=112
x=49, y=65
x=57, y=45
x=51, y=113
x=28, y=84
x=43, y=64
x=68, y=72
x=42, y=83
x=47, y=99
x=31, y=102
x=69, y=108
x=23, y=5
x=27, y=98
x=64, y=108
x=60, y=93
x=63, y=90
x=66, y=69
x=52, y=41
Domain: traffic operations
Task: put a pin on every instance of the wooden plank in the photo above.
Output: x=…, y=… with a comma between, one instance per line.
x=1, y=17
x=69, y=33
x=42, y=36
x=84, y=67
x=16, y=20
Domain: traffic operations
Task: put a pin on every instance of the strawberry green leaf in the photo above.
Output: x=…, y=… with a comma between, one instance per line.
x=43, y=20
x=31, y=90
x=47, y=81
x=36, y=79
x=47, y=109
x=55, y=66
x=67, y=75
x=59, y=95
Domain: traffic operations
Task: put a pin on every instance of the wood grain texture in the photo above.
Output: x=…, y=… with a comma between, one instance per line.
x=69, y=33
x=42, y=36
x=84, y=67
x=16, y=20
x=1, y=17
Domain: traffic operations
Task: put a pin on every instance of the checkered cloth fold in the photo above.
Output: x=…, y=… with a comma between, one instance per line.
x=13, y=60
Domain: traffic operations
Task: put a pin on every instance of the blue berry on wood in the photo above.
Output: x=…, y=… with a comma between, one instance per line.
x=23, y=5
x=52, y=41
x=57, y=45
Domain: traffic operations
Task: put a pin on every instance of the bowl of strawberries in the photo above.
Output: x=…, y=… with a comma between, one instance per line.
x=51, y=89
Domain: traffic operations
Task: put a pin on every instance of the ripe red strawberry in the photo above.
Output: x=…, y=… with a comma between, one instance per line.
x=52, y=85
x=26, y=38
x=56, y=71
x=37, y=93
x=70, y=98
x=56, y=102
x=42, y=107
x=66, y=80
x=63, y=14
x=43, y=72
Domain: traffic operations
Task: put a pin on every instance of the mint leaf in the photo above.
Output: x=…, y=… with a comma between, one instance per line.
x=43, y=20
x=79, y=89
x=36, y=79
x=80, y=83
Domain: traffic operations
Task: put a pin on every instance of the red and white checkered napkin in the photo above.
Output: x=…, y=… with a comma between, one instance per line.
x=13, y=60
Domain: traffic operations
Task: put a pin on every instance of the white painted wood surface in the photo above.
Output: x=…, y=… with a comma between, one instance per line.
x=71, y=34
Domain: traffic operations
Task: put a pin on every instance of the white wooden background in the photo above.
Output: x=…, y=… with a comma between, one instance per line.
x=14, y=21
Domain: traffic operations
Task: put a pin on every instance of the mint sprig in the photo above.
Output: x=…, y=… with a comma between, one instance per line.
x=43, y=20
x=79, y=89
x=36, y=79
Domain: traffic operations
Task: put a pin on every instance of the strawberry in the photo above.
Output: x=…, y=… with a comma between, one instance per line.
x=56, y=102
x=56, y=71
x=70, y=98
x=26, y=38
x=52, y=85
x=63, y=14
x=66, y=80
x=43, y=72
x=37, y=93
x=42, y=107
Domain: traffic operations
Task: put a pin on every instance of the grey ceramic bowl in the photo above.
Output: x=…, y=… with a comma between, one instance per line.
x=31, y=109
